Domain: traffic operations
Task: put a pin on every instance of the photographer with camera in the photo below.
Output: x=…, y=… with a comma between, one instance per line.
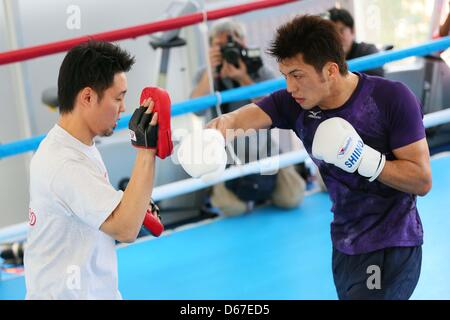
x=233, y=65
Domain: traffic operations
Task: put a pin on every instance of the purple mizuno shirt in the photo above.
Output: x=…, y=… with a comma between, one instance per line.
x=368, y=216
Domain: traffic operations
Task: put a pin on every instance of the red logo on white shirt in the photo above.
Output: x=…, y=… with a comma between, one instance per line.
x=31, y=217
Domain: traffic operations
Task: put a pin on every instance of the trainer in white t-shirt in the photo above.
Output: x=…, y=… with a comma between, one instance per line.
x=67, y=256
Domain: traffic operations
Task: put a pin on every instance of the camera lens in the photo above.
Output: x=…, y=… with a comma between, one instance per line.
x=232, y=55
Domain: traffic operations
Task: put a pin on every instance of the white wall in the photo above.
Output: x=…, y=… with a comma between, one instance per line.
x=44, y=21
x=13, y=175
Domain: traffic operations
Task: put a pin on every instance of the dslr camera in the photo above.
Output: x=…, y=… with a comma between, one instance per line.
x=232, y=51
x=12, y=253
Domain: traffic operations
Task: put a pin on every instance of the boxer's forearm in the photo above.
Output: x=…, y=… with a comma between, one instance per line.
x=251, y=117
x=411, y=171
x=406, y=176
x=236, y=123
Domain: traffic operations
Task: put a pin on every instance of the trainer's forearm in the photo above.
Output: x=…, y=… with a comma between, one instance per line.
x=444, y=29
x=406, y=176
x=136, y=198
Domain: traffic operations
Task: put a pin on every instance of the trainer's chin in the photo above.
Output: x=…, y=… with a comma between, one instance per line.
x=107, y=133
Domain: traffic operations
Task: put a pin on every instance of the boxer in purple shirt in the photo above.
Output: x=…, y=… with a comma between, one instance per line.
x=367, y=138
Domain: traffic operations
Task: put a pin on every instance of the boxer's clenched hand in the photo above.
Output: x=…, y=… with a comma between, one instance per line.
x=224, y=124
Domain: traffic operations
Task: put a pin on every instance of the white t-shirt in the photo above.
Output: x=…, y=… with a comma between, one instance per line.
x=67, y=256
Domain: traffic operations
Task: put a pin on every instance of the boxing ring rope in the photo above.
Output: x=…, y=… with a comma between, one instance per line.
x=257, y=90
x=261, y=89
x=137, y=31
x=286, y=159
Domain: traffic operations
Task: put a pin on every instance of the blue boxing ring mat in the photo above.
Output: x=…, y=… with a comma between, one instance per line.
x=267, y=254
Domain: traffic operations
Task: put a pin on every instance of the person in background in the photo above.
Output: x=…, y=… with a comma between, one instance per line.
x=346, y=27
x=232, y=68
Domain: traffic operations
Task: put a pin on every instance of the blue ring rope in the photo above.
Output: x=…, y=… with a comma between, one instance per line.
x=253, y=91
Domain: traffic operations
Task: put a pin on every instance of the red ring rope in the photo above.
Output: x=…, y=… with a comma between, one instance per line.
x=136, y=31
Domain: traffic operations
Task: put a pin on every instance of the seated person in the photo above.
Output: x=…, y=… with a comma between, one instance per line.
x=286, y=188
x=345, y=26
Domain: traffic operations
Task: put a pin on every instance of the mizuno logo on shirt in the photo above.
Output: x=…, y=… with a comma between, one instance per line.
x=314, y=114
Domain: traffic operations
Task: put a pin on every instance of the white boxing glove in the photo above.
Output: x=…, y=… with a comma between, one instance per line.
x=338, y=143
x=202, y=154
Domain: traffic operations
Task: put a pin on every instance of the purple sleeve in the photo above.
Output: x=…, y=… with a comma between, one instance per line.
x=405, y=118
x=273, y=106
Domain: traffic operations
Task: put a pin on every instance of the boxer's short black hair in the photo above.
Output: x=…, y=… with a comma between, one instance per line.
x=315, y=38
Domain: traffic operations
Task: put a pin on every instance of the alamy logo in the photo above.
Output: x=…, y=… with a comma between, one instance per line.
x=243, y=150
x=74, y=20
x=314, y=114
x=73, y=281
x=374, y=281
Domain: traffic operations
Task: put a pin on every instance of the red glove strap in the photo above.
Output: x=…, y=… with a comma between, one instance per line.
x=153, y=224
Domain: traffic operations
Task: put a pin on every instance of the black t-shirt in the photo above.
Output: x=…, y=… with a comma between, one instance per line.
x=360, y=49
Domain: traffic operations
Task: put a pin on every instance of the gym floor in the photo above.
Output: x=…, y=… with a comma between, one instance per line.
x=267, y=254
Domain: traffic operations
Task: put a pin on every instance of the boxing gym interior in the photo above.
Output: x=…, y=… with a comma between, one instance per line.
x=264, y=251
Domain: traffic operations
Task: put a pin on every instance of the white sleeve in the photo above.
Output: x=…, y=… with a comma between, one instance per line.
x=86, y=192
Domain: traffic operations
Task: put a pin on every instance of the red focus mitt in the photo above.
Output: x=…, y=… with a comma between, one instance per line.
x=152, y=223
x=162, y=106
